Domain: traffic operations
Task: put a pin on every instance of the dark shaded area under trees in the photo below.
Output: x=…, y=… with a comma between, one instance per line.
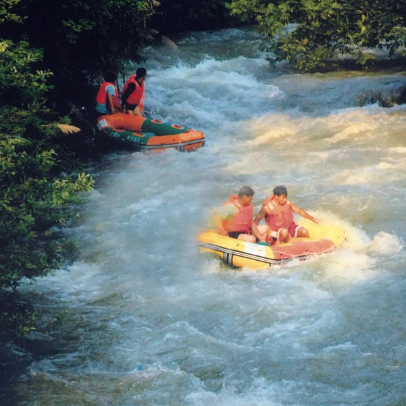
x=188, y=15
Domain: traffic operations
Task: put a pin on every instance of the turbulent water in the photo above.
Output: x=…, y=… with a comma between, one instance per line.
x=148, y=320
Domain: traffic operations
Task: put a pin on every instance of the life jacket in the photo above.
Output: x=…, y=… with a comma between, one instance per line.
x=242, y=220
x=280, y=216
x=101, y=96
x=138, y=95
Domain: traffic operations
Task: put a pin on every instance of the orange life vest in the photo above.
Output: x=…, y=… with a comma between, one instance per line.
x=138, y=95
x=280, y=216
x=101, y=96
x=242, y=220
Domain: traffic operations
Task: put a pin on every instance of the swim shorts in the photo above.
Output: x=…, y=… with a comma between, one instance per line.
x=130, y=106
x=292, y=231
x=234, y=234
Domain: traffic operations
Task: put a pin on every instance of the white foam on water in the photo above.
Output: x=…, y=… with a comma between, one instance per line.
x=385, y=243
x=210, y=92
x=229, y=396
x=351, y=132
x=265, y=393
x=77, y=280
x=399, y=150
x=350, y=267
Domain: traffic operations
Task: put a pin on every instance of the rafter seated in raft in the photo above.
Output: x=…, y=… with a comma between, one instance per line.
x=144, y=134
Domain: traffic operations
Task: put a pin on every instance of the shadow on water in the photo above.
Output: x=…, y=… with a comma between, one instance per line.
x=59, y=334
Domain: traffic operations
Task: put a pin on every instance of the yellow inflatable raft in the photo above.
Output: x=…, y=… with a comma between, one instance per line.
x=241, y=254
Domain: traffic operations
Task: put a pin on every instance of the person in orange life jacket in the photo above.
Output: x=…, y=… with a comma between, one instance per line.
x=278, y=212
x=234, y=219
x=107, y=97
x=133, y=93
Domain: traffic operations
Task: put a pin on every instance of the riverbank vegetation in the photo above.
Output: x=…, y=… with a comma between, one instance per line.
x=309, y=33
x=36, y=198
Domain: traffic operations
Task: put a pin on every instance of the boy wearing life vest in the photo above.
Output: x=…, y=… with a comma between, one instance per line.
x=278, y=212
x=133, y=93
x=234, y=219
x=107, y=97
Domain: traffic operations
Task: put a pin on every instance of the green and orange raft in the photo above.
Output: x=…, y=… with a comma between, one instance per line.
x=145, y=134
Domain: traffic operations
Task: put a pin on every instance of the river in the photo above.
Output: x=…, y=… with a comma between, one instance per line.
x=148, y=320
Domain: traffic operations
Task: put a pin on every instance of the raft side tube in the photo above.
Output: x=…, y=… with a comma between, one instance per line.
x=162, y=128
x=121, y=121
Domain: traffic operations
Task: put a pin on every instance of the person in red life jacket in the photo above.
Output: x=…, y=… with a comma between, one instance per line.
x=133, y=93
x=278, y=212
x=234, y=219
x=107, y=101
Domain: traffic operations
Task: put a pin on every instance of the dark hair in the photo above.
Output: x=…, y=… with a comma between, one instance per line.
x=245, y=191
x=110, y=77
x=280, y=190
x=140, y=72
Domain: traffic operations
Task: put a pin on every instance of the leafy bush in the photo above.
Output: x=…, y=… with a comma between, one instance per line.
x=34, y=198
x=308, y=32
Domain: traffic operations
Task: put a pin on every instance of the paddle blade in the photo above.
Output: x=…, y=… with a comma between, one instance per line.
x=68, y=129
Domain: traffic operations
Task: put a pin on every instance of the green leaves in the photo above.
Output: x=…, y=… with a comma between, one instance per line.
x=19, y=84
x=6, y=14
x=36, y=196
x=75, y=28
x=309, y=32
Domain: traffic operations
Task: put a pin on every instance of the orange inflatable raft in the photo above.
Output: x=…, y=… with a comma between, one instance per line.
x=144, y=134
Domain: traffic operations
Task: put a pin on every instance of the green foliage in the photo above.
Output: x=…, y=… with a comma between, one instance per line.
x=5, y=11
x=307, y=32
x=18, y=84
x=16, y=316
x=34, y=198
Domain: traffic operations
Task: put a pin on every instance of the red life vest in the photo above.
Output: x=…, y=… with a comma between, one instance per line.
x=137, y=96
x=280, y=216
x=242, y=220
x=102, y=95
